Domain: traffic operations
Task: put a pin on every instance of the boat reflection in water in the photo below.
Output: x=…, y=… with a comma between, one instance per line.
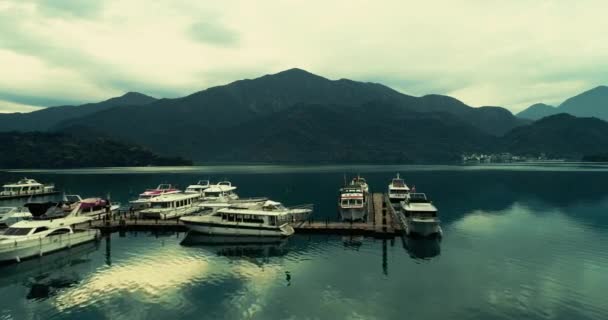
x=48, y=275
x=238, y=246
x=422, y=248
x=352, y=241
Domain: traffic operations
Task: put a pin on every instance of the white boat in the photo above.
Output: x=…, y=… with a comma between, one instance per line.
x=143, y=201
x=199, y=187
x=42, y=235
x=397, y=190
x=220, y=192
x=95, y=208
x=169, y=206
x=420, y=216
x=266, y=219
x=12, y=215
x=361, y=182
x=26, y=188
x=352, y=203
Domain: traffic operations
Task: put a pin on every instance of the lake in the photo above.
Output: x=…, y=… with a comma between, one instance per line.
x=525, y=241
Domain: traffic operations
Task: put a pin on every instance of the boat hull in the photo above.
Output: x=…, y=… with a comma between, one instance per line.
x=353, y=214
x=168, y=214
x=424, y=229
x=27, y=195
x=238, y=230
x=15, y=251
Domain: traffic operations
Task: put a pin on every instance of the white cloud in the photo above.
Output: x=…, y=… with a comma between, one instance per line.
x=509, y=53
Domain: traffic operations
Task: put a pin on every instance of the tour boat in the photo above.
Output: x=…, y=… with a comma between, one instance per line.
x=221, y=192
x=397, y=190
x=26, y=188
x=143, y=201
x=169, y=206
x=266, y=219
x=11, y=215
x=199, y=187
x=420, y=216
x=43, y=234
x=352, y=203
x=361, y=182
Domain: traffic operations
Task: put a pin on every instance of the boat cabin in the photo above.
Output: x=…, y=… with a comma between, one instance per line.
x=351, y=198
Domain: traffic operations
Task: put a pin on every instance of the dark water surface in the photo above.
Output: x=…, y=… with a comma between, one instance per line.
x=520, y=242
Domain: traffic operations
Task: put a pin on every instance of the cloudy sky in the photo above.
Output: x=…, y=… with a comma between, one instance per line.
x=511, y=53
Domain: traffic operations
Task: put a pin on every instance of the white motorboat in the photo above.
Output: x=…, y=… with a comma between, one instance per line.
x=199, y=187
x=95, y=208
x=143, y=201
x=420, y=216
x=44, y=234
x=11, y=215
x=397, y=190
x=221, y=192
x=26, y=188
x=266, y=219
x=169, y=206
x=352, y=203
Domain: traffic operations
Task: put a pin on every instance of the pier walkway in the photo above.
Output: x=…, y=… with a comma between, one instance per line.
x=382, y=222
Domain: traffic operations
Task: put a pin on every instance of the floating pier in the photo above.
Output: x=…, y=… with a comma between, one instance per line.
x=382, y=222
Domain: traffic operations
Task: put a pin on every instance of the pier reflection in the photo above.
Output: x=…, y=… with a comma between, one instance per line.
x=422, y=248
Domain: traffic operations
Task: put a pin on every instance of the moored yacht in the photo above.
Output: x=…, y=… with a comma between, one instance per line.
x=420, y=216
x=169, y=206
x=26, y=188
x=221, y=192
x=265, y=219
x=397, y=190
x=11, y=215
x=352, y=203
x=95, y=208
x=143, y=201
x=199, y=187
x=361, y=182
x=43, y=234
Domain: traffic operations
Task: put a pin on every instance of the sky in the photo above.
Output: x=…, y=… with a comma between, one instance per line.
x=510, y=53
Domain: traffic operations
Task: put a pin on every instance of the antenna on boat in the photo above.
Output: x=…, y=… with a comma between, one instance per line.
x=345, y=179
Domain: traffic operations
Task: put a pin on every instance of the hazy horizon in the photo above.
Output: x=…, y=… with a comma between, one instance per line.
x=512, y=54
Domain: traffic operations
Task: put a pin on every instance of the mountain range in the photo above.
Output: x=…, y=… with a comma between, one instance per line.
x=591, y=103
x=297, y=116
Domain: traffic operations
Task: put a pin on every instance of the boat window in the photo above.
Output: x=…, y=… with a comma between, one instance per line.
x=40, y=229
x=59, y=231
x=160, y=205
x=17, y=231
x=344, y=202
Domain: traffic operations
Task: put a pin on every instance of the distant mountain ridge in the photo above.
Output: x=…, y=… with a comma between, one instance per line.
x=47, y=118
x=297, y=116
x=591, y=103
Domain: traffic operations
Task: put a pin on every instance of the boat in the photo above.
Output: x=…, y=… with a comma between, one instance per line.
x=12, y=215
x=362, y=183
x=44, y=234
x=143, y=201
x=352, y=203
x=397, y=190
x=420, y=216
x=95, y=208
x=26, y=188
x=221, y=192
x=199, y=187
x=265, y=219
x=169, y=206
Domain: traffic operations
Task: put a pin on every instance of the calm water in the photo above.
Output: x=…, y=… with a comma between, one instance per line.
x=521, y=242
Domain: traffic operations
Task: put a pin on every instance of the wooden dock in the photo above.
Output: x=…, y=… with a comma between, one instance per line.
x=382, y=222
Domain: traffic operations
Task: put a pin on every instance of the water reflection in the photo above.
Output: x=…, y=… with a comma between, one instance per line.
x=422, y=248
x=44, y=277
x=255, y=249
